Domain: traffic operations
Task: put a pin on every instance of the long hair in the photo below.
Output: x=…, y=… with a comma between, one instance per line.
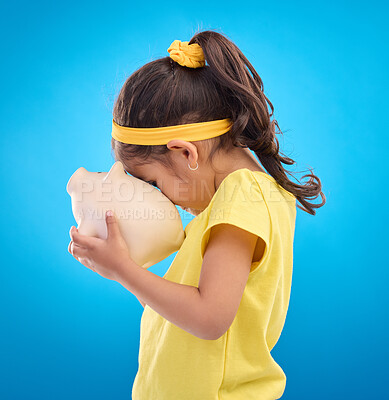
x=163, y=93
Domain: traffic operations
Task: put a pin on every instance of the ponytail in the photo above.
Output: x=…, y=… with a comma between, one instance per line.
x=163, y=92
x=247, y=103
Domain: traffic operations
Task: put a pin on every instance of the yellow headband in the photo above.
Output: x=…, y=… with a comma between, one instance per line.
x=162, y=135
x=187, y=55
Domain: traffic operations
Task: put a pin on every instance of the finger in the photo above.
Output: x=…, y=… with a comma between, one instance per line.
x=70, y=249
x=79, y=252
x=112, y=225
x=87, y=263
x=71, y=230
x=83, y=261
x=79, y=239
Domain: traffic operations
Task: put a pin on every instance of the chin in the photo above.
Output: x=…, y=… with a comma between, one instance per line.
x=191, y=210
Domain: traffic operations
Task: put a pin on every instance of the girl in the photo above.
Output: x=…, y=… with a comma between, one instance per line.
x=210, y=323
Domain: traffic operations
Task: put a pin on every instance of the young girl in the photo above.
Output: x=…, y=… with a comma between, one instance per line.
x=210, y=323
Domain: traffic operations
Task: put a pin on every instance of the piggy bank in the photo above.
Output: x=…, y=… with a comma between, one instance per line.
x=148, y=221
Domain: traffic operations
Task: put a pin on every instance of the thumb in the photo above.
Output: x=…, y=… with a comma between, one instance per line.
x=112, y=225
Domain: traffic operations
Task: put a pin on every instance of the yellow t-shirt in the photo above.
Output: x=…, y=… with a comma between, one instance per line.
x=176, y=365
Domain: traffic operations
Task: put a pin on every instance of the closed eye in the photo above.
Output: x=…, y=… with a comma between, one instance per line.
x=149, y=182
x=152, y=183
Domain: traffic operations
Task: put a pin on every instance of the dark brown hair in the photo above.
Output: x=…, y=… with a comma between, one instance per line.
x=163, y=93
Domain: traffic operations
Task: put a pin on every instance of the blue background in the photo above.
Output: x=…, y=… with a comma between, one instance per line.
x=69, y=333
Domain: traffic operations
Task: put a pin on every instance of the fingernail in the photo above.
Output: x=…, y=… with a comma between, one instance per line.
x=109, y=213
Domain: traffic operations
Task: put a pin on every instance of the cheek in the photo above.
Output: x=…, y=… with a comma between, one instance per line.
x=177, y=190
x=168, y=190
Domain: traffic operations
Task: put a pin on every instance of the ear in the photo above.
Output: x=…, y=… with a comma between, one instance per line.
x=177, y=144
x=117, y=169
x=73, y=179
x=187, y=149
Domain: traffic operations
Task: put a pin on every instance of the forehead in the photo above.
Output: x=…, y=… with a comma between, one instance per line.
x=141, y=171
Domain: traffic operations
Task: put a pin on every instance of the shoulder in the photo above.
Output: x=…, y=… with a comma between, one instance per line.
x=241, y=185
x=255, y=183
x=242, y=175
x=239, y=203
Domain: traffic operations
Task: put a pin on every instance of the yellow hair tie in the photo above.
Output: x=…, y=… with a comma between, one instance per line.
x=162, y=135
x=187, y=55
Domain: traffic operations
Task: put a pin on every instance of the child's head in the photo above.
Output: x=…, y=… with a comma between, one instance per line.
x=164, y=93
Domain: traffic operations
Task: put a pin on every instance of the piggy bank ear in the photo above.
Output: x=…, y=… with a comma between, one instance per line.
x=71, y=185
x=117, y=169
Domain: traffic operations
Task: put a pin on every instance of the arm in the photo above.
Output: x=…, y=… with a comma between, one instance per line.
x=206, y=311
x=180, y=304
x=224, y=273
x=141, y=302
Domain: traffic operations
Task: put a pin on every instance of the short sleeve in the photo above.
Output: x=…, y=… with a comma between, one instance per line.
x=240, y=201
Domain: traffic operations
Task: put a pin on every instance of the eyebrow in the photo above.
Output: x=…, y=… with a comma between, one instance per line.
x=145, y=180
x=135, y=176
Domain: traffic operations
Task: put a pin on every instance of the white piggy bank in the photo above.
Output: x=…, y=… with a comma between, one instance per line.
x=149, y=222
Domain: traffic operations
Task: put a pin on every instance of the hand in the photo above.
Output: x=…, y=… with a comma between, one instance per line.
x=106, y=257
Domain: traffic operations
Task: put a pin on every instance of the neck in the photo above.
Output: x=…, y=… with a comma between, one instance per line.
x=237, y=158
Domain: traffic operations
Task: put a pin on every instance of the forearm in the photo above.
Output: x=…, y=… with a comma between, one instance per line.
x=140, y=301
x=180, y=304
